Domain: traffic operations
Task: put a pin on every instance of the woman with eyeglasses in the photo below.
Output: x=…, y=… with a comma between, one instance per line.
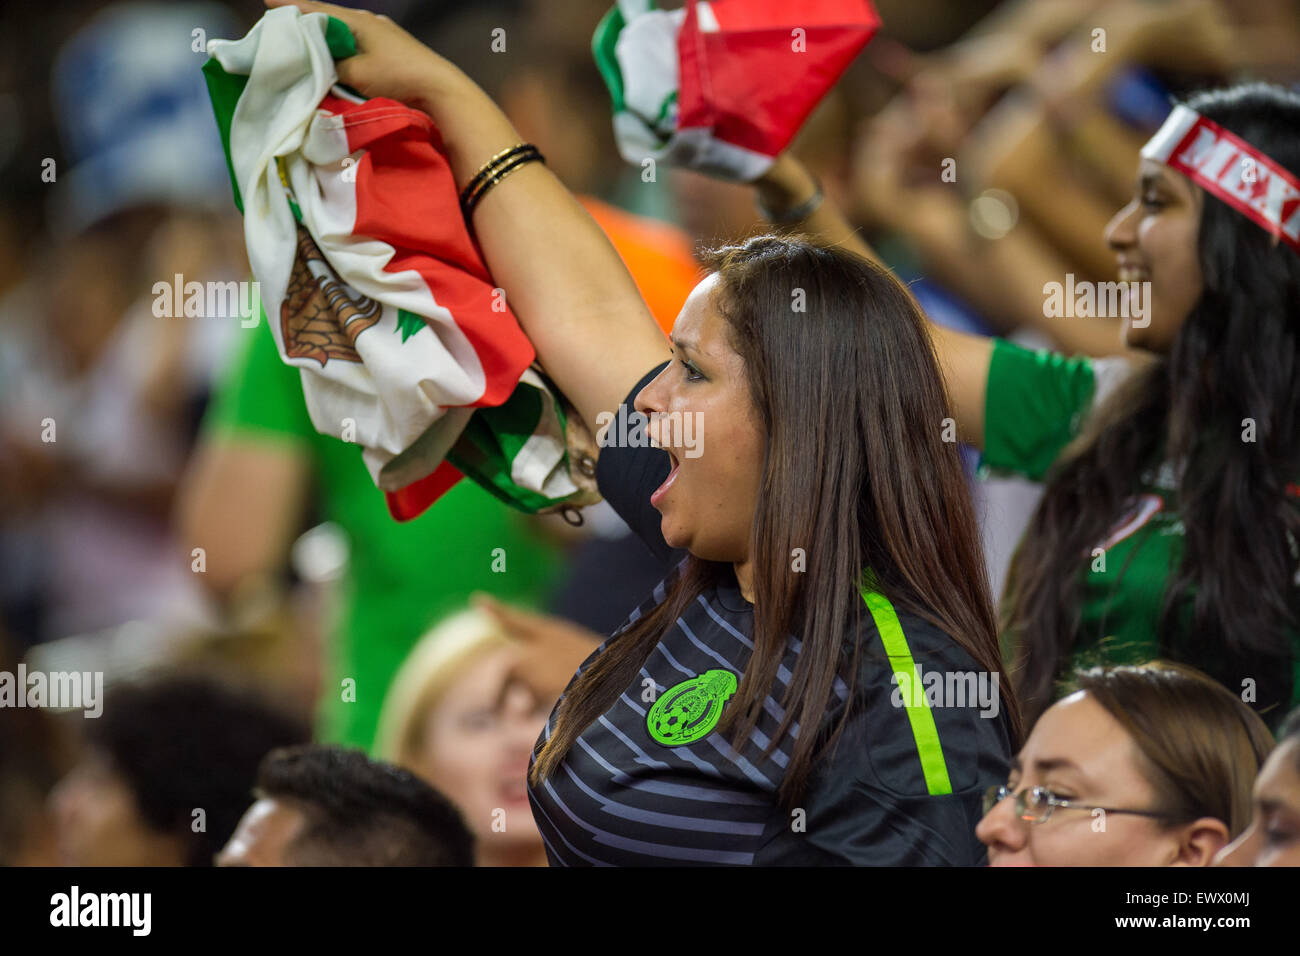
x=1148, y=765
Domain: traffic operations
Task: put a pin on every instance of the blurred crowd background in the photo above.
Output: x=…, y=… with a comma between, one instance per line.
x=235, y=575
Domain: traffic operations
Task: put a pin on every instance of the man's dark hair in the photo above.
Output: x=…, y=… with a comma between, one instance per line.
x=190, y=743
x=361, y=812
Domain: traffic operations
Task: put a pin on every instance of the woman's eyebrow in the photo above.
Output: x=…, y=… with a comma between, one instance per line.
x=1171, y=184
x=1148, y=180
x=683, y=345
x=1050, y=764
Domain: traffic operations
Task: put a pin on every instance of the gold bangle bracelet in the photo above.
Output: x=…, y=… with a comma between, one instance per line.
x=473, y=200
x=493, y=165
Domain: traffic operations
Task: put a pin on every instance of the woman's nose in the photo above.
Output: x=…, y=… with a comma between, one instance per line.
x=521, y=710
x=650, y=399
x=1001, y=827
x=1241, y=851
x=1120, y=231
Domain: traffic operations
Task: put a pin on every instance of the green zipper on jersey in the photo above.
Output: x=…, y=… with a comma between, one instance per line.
x=926, y=734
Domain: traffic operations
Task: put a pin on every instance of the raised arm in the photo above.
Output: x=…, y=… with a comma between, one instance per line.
x=788, y=184
x=963, y=358
x=563, y=280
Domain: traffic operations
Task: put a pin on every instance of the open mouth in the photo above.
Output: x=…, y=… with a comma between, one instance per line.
x=657, y=495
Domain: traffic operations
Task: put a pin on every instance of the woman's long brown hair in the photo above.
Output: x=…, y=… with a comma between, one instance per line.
x=857, y=474
x=1231, y=604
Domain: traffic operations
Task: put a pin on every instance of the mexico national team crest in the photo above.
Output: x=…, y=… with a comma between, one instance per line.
x=688, y=711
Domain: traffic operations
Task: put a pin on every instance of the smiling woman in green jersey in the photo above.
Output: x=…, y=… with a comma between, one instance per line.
x=765, y=704
x=1170, y=520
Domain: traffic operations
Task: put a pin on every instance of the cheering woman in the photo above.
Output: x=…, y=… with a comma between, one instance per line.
x=816, y=682
x=1170, y=522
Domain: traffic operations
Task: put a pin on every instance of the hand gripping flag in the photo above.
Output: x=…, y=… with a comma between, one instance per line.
x=374, y=289
x=722, y=86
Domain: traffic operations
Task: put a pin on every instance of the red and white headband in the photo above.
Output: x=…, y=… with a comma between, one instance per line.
x=1230, y=169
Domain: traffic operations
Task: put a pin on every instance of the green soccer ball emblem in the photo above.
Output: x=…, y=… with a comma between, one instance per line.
x=688, y=711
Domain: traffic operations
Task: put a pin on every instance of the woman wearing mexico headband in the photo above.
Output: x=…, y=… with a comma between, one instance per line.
x=816, y=682
x=1170, y=521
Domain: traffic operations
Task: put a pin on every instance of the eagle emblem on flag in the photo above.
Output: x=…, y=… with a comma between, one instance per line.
x=321, y=315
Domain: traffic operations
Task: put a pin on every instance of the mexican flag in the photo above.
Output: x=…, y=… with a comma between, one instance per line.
x=722, y=86
x=371, y=283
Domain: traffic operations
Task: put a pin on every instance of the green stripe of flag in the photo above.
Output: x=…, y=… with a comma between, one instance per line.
x=225, y=89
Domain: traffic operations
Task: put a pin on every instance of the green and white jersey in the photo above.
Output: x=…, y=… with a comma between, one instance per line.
x=1036, y=403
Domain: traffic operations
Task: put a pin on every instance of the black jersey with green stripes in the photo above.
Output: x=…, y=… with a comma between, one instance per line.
x=650, y=782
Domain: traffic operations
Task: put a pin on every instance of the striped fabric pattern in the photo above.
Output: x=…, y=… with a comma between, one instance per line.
x=622, y=799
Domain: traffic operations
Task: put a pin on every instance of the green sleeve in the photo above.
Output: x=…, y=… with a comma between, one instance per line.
x=1035, y=404
x=258, y=392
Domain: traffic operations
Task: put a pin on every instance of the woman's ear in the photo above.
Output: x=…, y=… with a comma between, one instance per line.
x=1200, y=841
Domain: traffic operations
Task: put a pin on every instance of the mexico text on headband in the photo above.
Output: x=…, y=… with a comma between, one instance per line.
x=1230, y=169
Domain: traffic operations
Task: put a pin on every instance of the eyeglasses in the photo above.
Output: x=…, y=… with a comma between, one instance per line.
x=1035, y=804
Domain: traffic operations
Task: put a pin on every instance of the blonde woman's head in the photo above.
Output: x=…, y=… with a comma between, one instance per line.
x=456, y=716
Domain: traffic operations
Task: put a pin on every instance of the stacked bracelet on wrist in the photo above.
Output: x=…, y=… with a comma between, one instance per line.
x=494, y=170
